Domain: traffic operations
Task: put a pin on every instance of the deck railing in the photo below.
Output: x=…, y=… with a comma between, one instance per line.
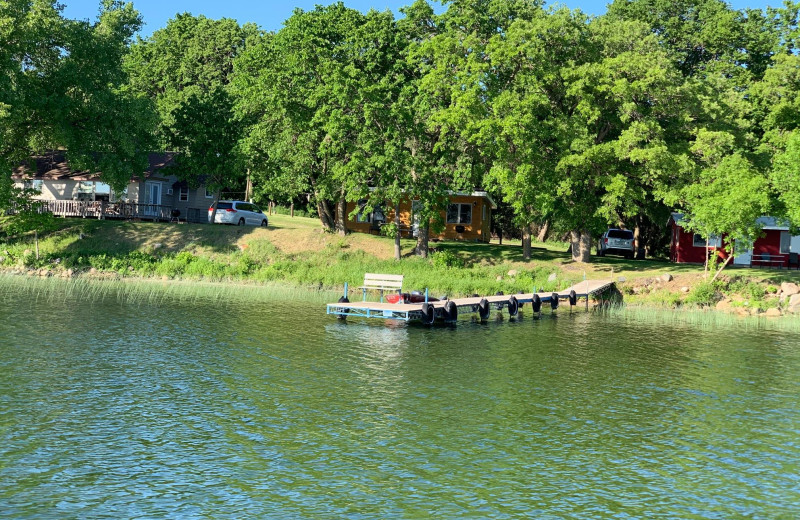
x=116, y=210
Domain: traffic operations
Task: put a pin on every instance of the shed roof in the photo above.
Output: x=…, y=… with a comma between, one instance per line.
x=765, y=222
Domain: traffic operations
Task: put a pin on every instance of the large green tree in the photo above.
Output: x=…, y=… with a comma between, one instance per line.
x=62, y=86
x=318, y=98
x=186, y=69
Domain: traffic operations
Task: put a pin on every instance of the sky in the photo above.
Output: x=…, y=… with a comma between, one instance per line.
x=270, y=15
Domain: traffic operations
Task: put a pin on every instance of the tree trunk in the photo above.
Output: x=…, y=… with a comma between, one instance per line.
x=637, y=234
x=526, y=241
x=543, y=231
x=325, y=214
x=341, y=215
x=724, y=264
x=422, y=239
x=581, y=242
x=214, y=206
x=705, y=266
x=248, y=191
x=397, y=251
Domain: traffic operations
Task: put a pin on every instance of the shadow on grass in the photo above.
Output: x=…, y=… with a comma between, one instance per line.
x=118, y=238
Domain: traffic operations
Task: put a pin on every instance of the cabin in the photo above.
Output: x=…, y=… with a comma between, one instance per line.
x=52, y=178
x=777, y=247
x=468, y=217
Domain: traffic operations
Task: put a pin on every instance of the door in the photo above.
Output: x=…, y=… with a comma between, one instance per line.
x=153, y=198
x=794, y=247
x=743, y=253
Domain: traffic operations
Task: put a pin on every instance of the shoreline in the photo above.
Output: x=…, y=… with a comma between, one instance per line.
x=143, y=290
x=293, y=256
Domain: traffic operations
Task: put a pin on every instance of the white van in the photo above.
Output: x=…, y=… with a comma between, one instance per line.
x=239, y=213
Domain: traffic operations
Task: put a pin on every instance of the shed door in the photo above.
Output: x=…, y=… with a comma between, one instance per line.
x=743, y=253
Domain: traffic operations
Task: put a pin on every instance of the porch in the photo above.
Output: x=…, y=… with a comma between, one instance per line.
x=120, y=210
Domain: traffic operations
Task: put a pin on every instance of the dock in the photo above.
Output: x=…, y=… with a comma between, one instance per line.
x=444, y=309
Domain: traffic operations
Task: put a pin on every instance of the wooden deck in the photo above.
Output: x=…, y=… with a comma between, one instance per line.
x=118, y=210
x=413, y=311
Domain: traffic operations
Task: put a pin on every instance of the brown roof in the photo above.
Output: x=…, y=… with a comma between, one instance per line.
x=53, y=166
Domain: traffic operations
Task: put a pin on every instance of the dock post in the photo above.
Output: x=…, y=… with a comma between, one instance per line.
x=587, y=290
x=345, y=289
x=426, y=295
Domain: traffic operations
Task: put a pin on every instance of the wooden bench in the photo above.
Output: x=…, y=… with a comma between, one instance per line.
x=768, y=260
x=382, y=282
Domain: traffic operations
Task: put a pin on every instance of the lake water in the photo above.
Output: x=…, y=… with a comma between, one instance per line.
x=275, y=410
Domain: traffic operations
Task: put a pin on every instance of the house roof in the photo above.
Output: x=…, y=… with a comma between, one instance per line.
x=53, y=165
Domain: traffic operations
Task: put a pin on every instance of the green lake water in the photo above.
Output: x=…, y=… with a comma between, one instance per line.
x=240, y=409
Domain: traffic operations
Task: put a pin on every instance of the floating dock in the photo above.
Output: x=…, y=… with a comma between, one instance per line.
x=448, y=310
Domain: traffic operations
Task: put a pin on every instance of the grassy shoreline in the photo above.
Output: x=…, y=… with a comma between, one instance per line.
x=294, y=253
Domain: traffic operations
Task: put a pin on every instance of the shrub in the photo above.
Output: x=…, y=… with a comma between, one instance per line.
x=704, y=293
x=447, y=260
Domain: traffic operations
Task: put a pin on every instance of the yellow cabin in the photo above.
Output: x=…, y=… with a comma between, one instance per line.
x=468, y=217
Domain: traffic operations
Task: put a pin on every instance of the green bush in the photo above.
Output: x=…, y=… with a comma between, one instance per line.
x=703, y=294
x=446, y=260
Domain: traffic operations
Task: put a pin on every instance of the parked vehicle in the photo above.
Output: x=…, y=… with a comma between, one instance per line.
x=617, y=241
x=239, y=213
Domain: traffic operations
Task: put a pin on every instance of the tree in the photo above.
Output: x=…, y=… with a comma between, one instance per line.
x=730, y=195
x=590, y=119
x=186, y=69
x=62, y=86
x=318, y=100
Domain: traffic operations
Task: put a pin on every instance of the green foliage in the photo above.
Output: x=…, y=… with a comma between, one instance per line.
x=185, y=69
x=446, y=260
x=703, y=294
x=62, y=85
x=27, y=215
x=575, y=120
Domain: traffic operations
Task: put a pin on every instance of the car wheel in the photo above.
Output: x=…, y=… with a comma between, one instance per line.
x=600, y=252
x=241, y=222
x=264, y=223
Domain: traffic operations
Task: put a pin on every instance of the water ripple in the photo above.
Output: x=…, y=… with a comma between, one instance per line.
x=196, y=411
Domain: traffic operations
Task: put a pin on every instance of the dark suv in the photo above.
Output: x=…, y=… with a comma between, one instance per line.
x=617, y=241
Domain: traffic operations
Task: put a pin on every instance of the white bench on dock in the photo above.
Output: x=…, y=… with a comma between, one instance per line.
x=382, y=282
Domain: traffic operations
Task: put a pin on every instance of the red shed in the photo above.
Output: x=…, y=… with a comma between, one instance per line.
x=686, y=247
x=776, y=248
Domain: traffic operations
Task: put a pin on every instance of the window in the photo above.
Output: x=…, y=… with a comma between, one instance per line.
x=363, y=216
x=209, y=195
x=183, y=194
x=459, y=214
x=101, y=188
x=786, y=242
x=625, y=234
x=35, y=185
x=700, y=241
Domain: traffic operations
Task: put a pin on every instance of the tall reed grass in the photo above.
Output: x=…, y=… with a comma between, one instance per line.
x=702, y=318
x=149, y=292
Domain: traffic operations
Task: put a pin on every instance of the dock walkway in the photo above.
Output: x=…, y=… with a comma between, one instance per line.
x=414, y=311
